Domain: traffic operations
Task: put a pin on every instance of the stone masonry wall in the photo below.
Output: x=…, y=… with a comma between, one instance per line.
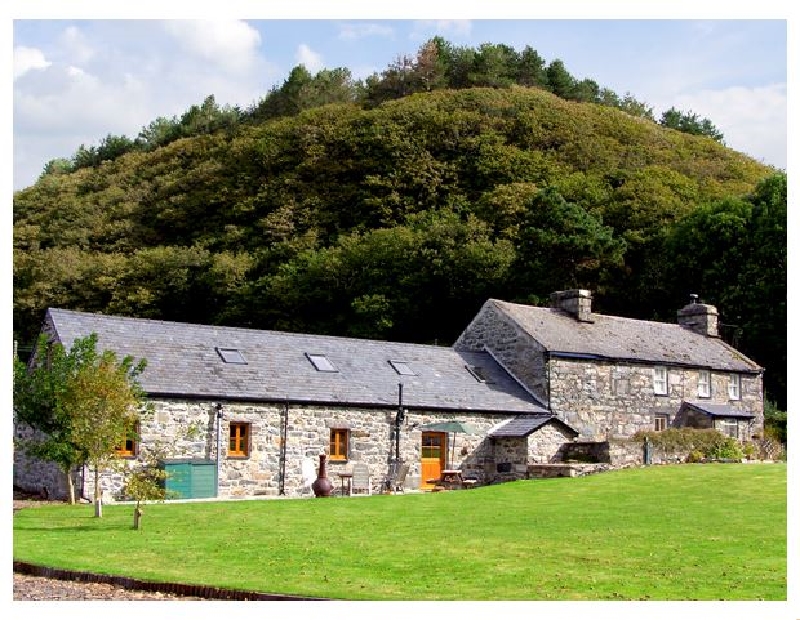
x=187, y=430
x=605, y=399
x=491, y=330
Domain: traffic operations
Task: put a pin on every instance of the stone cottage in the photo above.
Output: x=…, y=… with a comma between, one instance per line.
x=240, y=411
x=244, y=408
x=609, y=376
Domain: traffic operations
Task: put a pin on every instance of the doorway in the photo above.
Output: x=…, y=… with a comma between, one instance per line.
x=434, y=454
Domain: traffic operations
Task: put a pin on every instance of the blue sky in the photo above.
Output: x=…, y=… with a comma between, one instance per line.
x=76, y=81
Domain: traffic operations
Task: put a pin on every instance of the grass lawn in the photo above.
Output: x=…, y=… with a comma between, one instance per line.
x=685, y=532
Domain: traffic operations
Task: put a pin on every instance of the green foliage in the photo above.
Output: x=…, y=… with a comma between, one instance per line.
x=689, y=122
x=700, y=443
x=400, y=220
x=81, y=404
x=733, y=252
x=774, y=422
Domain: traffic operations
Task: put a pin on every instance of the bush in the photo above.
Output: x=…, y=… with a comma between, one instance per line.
x=774, y=422
x=695, y=456
x=698, y=443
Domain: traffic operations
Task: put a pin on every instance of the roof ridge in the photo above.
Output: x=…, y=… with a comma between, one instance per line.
x=117, y=317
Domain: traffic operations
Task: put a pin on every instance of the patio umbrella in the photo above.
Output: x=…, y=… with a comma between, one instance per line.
x=450, y=427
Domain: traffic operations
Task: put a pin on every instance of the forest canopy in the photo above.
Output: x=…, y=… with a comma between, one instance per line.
x=395, y=207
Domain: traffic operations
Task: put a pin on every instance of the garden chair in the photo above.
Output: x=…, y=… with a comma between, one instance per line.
x=397, y=485
x=362, y=480
x=309, y=473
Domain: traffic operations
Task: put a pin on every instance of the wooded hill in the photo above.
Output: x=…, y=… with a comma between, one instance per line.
x=398, y=221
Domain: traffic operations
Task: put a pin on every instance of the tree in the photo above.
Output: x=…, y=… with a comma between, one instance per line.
x=561, y=245
x=39, y=403
x=80, y=405
x=146, y=483
x=103, y=399
x=689, y=122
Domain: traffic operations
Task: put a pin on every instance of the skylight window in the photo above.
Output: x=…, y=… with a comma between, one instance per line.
x=401, y=368
x=320, y=362
x=480, y=374
x=231, y=356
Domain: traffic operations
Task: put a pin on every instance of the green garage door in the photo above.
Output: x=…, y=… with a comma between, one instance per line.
x=190, y=478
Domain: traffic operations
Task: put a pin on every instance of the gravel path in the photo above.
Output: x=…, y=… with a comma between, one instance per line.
x=28, y=588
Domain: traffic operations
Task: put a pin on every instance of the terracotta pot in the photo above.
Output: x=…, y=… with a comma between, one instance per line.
x=322, y=487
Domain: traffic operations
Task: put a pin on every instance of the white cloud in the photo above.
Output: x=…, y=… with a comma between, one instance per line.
x=231, y=44
x=359, y=30
x=76, y=46
x=752, y=119
x=308, y=57
x=452, y=27
x=27, y=59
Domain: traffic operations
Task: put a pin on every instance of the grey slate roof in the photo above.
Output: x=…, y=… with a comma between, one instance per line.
x=620, y=338
x=718, y=411
x=522, y=426
x=182, y=361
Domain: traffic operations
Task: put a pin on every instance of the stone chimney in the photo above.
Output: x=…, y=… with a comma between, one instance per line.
x=576, y=302
x=699, y=318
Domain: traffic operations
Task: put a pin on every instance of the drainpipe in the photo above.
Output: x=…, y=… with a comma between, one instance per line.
x=218, y=408
x=398, y=419
x=282, y=463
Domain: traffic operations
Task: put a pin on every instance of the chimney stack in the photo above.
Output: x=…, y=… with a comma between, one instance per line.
x=575, y=302
x=699, y=317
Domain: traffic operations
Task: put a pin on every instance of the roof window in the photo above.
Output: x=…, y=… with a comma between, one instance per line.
x=480, y=374
x=401, y=368
x=320, y=362
x=231, y=356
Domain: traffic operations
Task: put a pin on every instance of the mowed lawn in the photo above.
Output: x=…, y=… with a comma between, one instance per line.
x=696, y=532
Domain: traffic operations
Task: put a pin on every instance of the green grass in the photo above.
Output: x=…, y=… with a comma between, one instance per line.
x=687, y=532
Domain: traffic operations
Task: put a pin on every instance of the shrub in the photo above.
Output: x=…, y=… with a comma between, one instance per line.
x=705, y=442
x=695, y=456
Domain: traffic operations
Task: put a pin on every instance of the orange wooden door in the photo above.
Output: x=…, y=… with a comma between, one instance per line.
x=434, y=454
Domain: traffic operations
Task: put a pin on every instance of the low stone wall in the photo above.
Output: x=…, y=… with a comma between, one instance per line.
x=620, y=453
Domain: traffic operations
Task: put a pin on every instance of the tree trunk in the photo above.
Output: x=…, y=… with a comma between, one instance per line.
x=70, y=487
x=137, y=515
x=98, y=499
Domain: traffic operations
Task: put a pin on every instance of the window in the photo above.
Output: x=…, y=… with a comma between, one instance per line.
x=660, y=385
x=339, y=442
x=480, y=374
x=401, y=368
x=130, y=447
x=660, y=422
x=320, y=362
x=231, y=356
x=729, y=428
x=704, y=384
x=734, y=387
x=240, y=439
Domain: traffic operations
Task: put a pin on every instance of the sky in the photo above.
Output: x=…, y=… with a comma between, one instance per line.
x=77, y=80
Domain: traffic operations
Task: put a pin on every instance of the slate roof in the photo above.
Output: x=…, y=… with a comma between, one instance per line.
x=522, y=426
x=182, y=361
x=718, y=411
x=620, y=338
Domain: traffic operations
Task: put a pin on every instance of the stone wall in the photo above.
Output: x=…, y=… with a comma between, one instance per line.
x=620, y=453
x=187, y=429
x=491, y=330
x=607, y=399
x=33, y=475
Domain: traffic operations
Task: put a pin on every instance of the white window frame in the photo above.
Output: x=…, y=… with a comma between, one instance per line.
x=729, y=427
x=660, y=383
x=734, y=387
x=704, y=387
x=660, y=417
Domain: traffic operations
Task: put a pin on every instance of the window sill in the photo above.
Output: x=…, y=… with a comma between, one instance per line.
x=238, y=457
